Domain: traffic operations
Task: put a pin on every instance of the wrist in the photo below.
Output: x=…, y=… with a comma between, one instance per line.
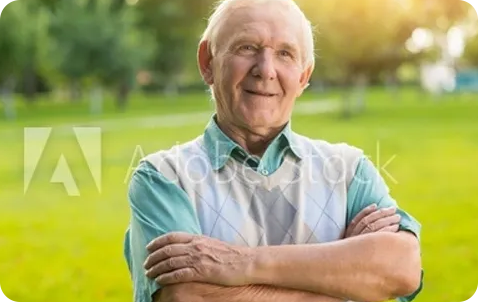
x=260, y=270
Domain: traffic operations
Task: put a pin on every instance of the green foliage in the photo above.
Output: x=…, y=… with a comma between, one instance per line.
x=471, y=51
x=22, y=43
x=106, y=42
x=360, y=37
x=96, y=43
x=470, y=55
x=176, y=26
x=439, y=15
x=8, y=46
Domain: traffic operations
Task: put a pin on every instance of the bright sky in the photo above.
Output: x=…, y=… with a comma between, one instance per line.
x=422, y=39
x=455, y=39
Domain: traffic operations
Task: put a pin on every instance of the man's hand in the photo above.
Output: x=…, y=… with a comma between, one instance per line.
x=371, y=220
x=181, y=257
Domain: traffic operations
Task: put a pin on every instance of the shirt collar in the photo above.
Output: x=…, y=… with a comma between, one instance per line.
x=292, y=140
x=219, y=146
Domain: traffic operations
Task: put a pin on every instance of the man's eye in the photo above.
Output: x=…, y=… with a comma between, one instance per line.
x=246, y=48
x=285, y=53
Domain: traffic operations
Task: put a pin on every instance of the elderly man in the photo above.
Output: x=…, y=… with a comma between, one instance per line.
x=251, y=211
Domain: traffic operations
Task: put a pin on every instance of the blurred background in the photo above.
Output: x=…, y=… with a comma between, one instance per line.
x=397, y=78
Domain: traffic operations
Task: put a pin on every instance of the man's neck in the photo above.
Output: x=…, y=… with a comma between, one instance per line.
x=254, y=141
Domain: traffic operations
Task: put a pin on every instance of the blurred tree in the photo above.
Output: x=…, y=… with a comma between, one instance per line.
x=76, y=47
x=98, y=46
x=132, y=52
x=439, y=16
x=22, y=50
x=176, y=26
x=471, y=51
x=470, y=55
x=359, y=40
x=9, y=58
x=35, y=46
x=49, y=4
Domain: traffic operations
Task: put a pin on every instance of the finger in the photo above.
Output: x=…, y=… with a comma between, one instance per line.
x=381, y=223
x=170, y=238
x=169, y=265
x=368, y=210
x=169, y=251
x=371, y=218
x=179, y=276
x=391, y=228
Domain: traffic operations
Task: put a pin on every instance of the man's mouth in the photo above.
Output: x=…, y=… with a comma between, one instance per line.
x=260, y=93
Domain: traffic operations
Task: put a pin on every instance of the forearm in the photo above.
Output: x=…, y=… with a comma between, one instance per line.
x=251, y=293
x=266, y=293
x=373, y=267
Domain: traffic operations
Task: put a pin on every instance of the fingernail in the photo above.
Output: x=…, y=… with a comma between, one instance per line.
x=373, y=206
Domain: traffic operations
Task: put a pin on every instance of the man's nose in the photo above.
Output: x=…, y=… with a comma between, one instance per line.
x=265, y=67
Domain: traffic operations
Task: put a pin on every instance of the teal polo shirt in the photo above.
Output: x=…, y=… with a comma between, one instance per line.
x=155, y=201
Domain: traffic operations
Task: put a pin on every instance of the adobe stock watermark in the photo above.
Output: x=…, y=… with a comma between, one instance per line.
x=316, y=165
x=382, y=168
x=89, y=143
x=382, y=164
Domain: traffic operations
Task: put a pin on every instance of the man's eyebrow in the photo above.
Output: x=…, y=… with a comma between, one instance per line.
x=248, y=39
x=289, y=46
x=243, y=39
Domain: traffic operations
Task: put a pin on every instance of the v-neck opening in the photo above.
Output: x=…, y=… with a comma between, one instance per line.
x=270, y=181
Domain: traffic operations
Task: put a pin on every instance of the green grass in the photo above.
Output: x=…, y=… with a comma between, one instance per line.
x=56, y=248
x=46, y=110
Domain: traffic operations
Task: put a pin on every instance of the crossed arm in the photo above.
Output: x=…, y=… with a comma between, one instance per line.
x=195, y=292
x=371, y=267
x=361, y=267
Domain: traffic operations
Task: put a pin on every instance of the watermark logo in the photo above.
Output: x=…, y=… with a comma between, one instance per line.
x=382, y=168
x=89, y=141
x=473, y=3
x=3, y=4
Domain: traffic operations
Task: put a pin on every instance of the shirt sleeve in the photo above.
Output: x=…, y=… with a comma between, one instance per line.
x=158, y=206
x=368, y=187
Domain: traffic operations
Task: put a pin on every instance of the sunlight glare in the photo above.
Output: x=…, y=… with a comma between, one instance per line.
x=421, y=39
x=456, y=42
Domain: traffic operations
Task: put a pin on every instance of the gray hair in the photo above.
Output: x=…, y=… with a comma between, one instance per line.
x=225, y=7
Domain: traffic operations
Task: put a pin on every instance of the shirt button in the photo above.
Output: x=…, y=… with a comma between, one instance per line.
x=264, y=172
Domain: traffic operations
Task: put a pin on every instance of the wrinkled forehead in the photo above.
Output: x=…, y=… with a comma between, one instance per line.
x=274, y=23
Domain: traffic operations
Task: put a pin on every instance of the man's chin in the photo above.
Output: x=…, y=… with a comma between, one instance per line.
x=260, y=121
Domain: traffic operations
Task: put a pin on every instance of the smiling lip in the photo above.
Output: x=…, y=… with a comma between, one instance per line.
x=261, y=93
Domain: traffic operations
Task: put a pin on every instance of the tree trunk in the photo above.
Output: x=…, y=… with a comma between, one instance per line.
x=346, y=100
x=30, y=83
x=6, y=95
x=360, y=86
x=75, y=91
x=392, y=85
x=96, y=100
x=122, y=96
x=171, y=88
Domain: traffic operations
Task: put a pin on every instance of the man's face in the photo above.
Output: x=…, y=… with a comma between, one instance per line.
x=258, y=71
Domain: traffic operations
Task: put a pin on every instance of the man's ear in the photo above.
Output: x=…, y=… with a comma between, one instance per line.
x=204, y=58
x=305, y=78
